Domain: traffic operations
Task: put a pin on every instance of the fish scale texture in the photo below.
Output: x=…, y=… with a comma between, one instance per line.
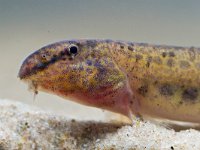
x=26, y=127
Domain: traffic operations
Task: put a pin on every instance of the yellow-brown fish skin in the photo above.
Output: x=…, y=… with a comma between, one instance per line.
x=124, y=77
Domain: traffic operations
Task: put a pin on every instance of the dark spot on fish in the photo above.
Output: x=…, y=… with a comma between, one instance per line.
x=91, y=43
x=171, y=54
x=131, y=102
x=149, y=59
x=156, y=82
x=143, y=90
x=170, y=62
x=180, y=102
x=73, y=80
x=131, y=43
x=70, y=58
x=167, y=90
x=182, y=86
x=120, y=44
x=164, y=54
x=138, y=57
x=64, y=58
x=41, y=65
x=81, y=68
x=157, y=60
x=89, y=62
x=190, y=94
x=62, y=53
x=130, y=48
x=184, y=64
x=98, y=65
x=53, y=59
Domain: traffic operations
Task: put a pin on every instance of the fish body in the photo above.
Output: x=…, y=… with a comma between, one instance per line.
x=157, y=81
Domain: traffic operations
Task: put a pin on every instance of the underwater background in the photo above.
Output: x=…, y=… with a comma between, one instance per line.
x=27, y=25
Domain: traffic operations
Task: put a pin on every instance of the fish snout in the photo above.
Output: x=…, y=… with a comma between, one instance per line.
x=27, y=67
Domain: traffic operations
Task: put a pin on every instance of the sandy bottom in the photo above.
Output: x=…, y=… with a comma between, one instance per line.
x=26, y=127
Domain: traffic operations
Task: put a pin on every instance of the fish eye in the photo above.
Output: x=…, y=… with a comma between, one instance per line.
x=73, y=49
x=43, y=55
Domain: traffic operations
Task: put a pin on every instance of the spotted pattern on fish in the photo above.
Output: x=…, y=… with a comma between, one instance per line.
x=124, y=77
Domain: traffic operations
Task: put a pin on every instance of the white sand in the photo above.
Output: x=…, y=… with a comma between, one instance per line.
x=26, y=127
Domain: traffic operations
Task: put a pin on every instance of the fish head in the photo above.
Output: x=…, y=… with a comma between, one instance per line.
x=83, y=71
x=67, y=68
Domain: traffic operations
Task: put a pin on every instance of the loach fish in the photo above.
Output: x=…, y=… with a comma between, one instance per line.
x=133, y=79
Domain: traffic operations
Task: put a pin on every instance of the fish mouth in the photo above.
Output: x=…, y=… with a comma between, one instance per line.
x=24, y=71
x=28, y=66
x=28, y=69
